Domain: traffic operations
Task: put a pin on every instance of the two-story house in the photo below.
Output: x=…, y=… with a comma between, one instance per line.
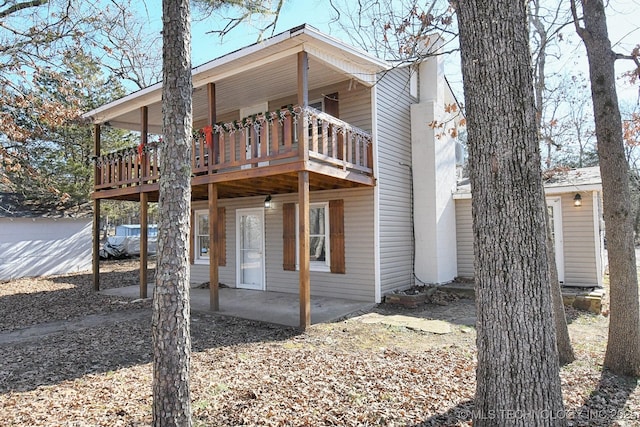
x=304, y=148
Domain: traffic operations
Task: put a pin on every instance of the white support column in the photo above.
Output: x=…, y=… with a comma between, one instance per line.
x=434, y=180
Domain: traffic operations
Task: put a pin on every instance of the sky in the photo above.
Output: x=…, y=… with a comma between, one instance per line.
x=622, y=20
x=316, y=13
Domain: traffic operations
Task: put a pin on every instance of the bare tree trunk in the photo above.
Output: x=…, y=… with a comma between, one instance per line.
x=518, y=381
x=563, y=340
x=623, y=345
x=565, y=351
x=171, y=308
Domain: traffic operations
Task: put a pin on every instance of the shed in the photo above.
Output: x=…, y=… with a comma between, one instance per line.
x=34, y=242
x=574, y=202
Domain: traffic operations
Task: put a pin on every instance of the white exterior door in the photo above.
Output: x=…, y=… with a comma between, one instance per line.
x=554, y=207
x=246, y=112
x=250, y=248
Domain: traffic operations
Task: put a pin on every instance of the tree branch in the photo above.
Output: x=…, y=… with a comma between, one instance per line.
x=634, y=58
x=576, y=21
x=20, y=6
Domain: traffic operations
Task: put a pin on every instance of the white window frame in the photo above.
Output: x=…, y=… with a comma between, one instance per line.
x=198, y=258
x=310, y=104
x=245, y=112
x=317, y=101
x=322, y=266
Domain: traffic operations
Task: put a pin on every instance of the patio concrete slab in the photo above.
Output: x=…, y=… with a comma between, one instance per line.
x=439, y=327
x=274, y=307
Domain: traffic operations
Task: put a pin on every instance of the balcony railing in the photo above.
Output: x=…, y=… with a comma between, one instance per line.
x=254, y=142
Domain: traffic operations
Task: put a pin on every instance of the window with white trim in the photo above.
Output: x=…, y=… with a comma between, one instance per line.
x=201, y=244
x=318, y=105
x=319, y=247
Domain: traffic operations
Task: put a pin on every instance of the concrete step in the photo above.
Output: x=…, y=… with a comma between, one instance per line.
x=586, y=299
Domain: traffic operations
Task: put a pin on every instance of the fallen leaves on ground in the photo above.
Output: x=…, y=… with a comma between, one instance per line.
x=30, y=301
x=248, y=373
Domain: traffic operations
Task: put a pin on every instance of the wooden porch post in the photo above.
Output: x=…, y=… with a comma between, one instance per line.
x=303, y=239
x=214, y=248
x=303, y=194
x=214, y=244
x=214, y=150
x=96, y=213
x=144, y=205
x=303, y=100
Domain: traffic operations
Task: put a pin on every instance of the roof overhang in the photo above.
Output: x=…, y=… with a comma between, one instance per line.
x=259, y=72
x=581, y=180
x=552, y=191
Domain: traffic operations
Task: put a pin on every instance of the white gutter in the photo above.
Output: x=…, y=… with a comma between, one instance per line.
x=548, y=191
x=572, y=189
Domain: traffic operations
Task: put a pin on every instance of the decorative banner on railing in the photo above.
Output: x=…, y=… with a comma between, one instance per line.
x=208, y=135
x=257, y=121
x=140, y=151
x=115, y=156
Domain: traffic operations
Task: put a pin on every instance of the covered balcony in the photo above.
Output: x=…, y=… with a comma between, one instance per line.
x=260, y=154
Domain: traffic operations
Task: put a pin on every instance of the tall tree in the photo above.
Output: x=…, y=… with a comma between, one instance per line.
x=518, y=369
x=171, y=306
x=541, y=31
x=56, y=59
x=45, y=154
x=400, y=30
x=623, y=345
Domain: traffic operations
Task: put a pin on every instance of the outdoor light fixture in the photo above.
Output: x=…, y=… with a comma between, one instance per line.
x=267, y=202
x=577, y=200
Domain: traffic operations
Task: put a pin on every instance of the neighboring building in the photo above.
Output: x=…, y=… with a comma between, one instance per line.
x=304, y=120
x=42, y=243
x=574, y=200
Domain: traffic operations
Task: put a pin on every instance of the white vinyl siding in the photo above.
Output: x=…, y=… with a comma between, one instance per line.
x=464, y=236
x=579, y=236
x=580, y=268
x=355, y=107
x=356, y=284
x=354, y=102
x=358, y=281
x=394, y=179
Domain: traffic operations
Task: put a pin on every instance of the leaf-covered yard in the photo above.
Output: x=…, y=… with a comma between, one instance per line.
x=91, y=366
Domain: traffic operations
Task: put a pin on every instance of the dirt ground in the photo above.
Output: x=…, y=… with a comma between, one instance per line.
x=88, y=363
